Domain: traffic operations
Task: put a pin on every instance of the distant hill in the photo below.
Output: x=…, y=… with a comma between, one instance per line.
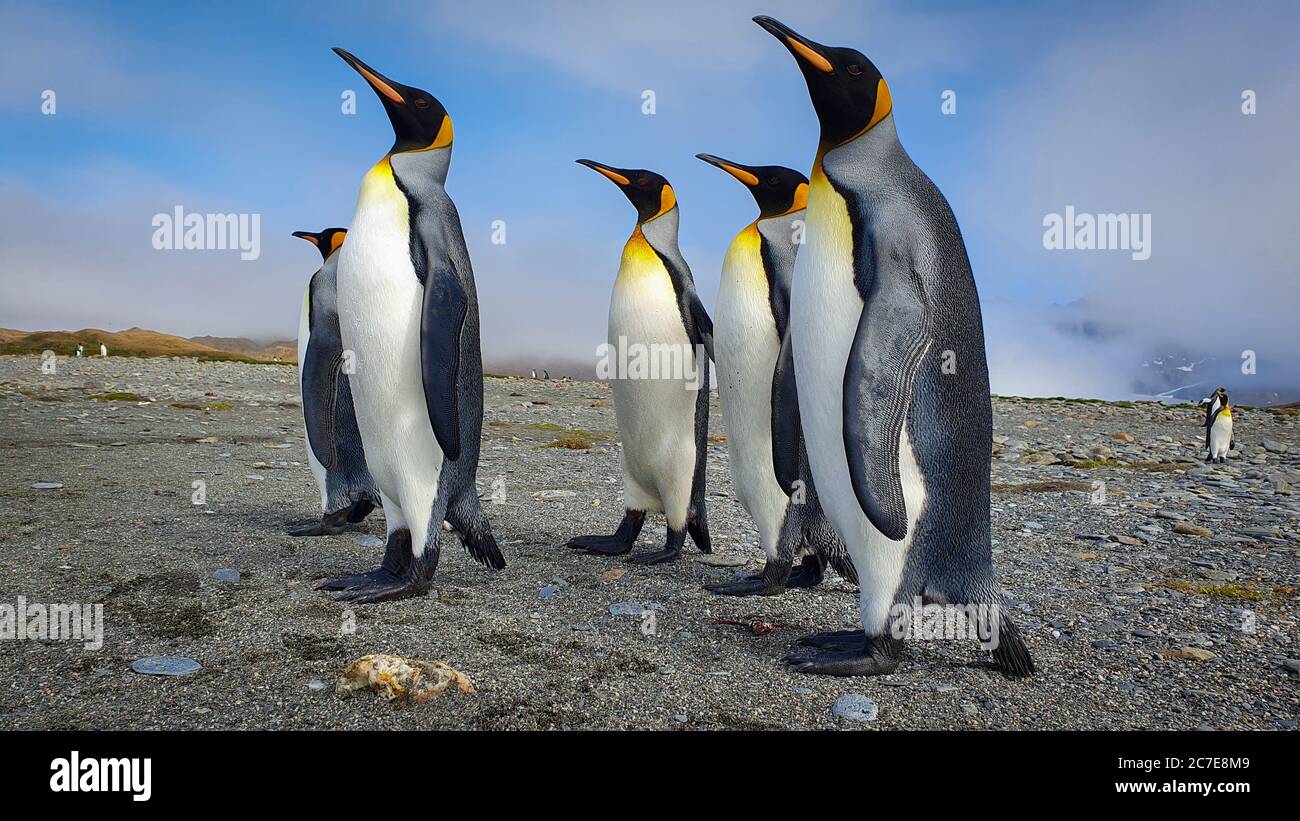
x=131, y=342
x=286, y=350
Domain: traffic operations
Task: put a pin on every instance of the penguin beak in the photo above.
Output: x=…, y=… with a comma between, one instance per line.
x=384, y=87
x=741, y=172
x=807, y=52
x=617, y=175
x=309, y=236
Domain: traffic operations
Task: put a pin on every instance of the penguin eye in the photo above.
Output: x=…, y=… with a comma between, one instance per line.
x=854, y=69
x=773, y=180
x=421, y=103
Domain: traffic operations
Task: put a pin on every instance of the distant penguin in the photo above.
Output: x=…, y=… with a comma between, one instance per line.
x=81, y=351
x=749, y=330
x=893, y=387
x=347, y=493
x=103, y=350
x=1218, y=426
x=410, y=318
x=663, y=418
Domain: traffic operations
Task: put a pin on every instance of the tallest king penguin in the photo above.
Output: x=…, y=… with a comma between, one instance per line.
x=410, y=320
x=663, y=418
x=893, y=386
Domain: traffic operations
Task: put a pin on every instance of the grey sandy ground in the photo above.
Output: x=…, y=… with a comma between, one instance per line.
x=1103, y=588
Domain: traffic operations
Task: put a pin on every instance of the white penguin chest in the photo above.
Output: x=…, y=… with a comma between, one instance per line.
x=746, y=348
x=657, y=384
x=380, y=308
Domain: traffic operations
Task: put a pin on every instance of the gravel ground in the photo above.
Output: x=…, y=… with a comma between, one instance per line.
x=1132, y=624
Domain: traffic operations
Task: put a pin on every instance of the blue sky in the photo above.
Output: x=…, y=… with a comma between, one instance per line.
x=235, y=107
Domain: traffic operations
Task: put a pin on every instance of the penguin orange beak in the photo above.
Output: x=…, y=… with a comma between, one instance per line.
x=806, y=51
x=743, y=173
x=309, y=236
x=383, y=86
x=617, y=175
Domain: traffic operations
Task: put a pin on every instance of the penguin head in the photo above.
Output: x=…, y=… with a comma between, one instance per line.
x=777, y=190
x=327, y=241
x=1222, y=393
x=648, y=192
x=420, y=123
x=846, y=88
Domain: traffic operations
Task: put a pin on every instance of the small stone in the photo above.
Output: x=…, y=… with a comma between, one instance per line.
x=1144, y=634
x=1191, y=530
x=1129, y=540
x=165, y=666
x=855, y=707
x=316, y=684
x=47, y=485
x=1293, y=665
x=1123, y=437
x=554, y=494
x=1104, y=644
x=367, y=540
x=626, y=608
x=548, y=592
x=721, y=559
x=1188, y=654
x=680, y=718
x=228, y=576
x=803, y=691
x=970, y=708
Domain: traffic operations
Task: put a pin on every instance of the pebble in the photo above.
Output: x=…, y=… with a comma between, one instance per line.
x=368, y=540
x=165, y=666
x=626, y=608
x=722, y=559
x=548, y=592
x=855, y=707
x=47, y=485
x=228, y=576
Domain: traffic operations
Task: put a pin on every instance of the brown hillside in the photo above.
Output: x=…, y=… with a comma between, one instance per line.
x=131, y=342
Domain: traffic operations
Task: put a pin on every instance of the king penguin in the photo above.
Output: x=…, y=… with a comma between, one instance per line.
x=347, y=493
x=663, y=417
x=410, y=319
x=750, y=329
x=1218, y=426
x=893, y=386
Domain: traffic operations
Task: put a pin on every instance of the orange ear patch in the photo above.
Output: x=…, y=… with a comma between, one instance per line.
x=337, y=240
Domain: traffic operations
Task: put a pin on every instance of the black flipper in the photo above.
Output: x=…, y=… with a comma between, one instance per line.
x=892, y=337
x=786, y=431
x=701, y=326
x=320, y=376
x=443, y=318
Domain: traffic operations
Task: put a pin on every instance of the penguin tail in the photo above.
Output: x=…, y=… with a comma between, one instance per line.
x=1011, y=656
x=697, y=525
x=483, y=547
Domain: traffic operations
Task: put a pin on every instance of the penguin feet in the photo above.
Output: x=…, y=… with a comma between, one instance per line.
x=671, y=550
x=618, y=544
x=809, y=573
x=359, y=511
x=848, y=653
x=401, y=576
x=331, y=525
x=770, y=582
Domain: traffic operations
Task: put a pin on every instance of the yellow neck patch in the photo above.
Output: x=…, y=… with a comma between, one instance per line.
x=336, y=242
